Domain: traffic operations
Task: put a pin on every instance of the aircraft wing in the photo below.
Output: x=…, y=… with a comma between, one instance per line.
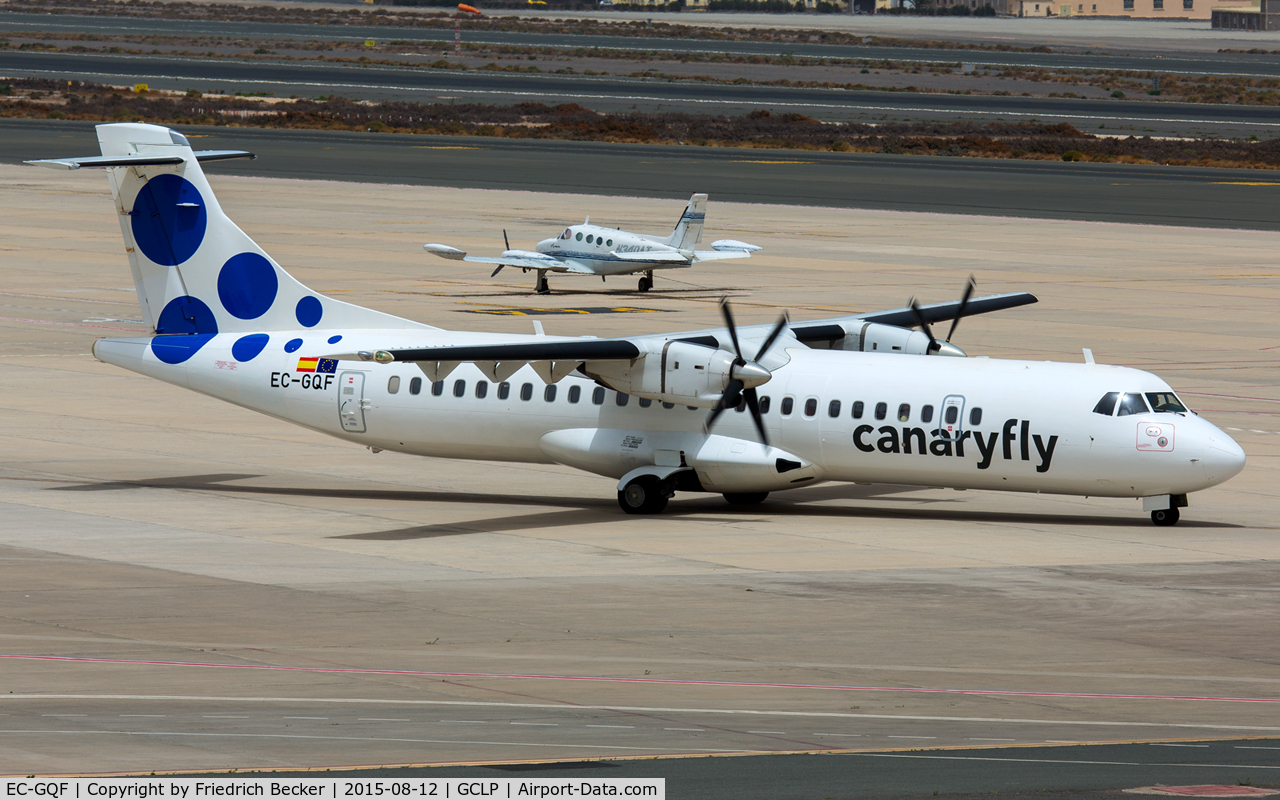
x=523, y=259
x=653, y=257
x=830, y=329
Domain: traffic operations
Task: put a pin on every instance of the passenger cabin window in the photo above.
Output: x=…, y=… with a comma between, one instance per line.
x=858, y=408
x=765, y=402
x=741, y=406
x=1107, y=405
x=882, y=410
x=578, y=237
x=833, y=409
x=811, y=406
x=482, y=389
x=788, y=404
x=526, y=392
x=926, y=414
x=953, y=414
x=393, y=384
x=1166, y=402
x=975, y=416
x=437, y=388
x=904, y=412
x=504, y=390
x=590, y=238
x=575, y=394
x=622, y=398
x=1131, y=403
x=415, y=386
x=597, y=396
x=609, y=243
x=549, y=393
x=459, y=388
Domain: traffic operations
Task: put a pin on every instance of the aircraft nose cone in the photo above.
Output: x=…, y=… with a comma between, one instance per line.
x=751, y=374
x=1223, y=458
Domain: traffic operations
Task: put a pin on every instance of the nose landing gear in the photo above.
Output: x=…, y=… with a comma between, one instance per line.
x=1165, y=517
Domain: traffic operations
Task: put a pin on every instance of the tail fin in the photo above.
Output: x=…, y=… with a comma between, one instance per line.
x=194, y=269
x=688, y=230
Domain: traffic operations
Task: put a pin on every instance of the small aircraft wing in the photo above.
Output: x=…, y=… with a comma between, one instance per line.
x=523, y=259
x=653, y=257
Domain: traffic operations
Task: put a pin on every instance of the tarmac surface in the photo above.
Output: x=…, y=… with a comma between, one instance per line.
x=1217, y=198
x=1175, y=63
x=186, y=585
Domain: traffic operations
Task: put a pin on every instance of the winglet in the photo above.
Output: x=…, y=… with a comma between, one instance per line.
x=445, y=251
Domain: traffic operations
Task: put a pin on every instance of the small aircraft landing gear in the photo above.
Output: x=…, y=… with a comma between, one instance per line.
x=643, y=495
x=746, y=498
x=542, y=287
x=646, y=282
x=1165, y=517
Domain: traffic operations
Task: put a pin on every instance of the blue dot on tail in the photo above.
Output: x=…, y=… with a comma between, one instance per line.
x=309, y=312
x=334, y=339
x=168, y=220
x=176, y=349
x=247, y=285
x=186, y=314
x=292, y=345
x=247, y=348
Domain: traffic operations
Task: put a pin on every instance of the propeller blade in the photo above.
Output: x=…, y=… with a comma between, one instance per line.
x=753, y=405
x=924, y=326
x=773, y=336
x=733, y=329
x=964, y=303
x=505, y=241
x=730, y=399
x=494, y=274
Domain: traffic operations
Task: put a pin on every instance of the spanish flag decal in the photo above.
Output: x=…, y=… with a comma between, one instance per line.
x=307, y=364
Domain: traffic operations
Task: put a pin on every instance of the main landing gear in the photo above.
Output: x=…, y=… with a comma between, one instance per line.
x=542, y=287
x=646, y=282
x=644, y=495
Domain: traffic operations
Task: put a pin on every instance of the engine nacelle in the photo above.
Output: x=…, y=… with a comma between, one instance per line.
x=677, y=372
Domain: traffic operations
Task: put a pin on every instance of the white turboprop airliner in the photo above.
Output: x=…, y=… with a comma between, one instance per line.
x=857, y=399
x=588, y=249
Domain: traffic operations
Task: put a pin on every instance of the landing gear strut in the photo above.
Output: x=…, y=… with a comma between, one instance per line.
x=646, y=282
x=643, y=495
x=542, y=287
x=1165, y=517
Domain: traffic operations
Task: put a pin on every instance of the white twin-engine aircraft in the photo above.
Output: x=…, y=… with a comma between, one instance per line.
x=860, y=399
x=588, y=249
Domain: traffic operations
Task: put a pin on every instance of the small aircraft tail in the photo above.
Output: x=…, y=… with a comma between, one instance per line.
x=688, y=230
x=195, y=271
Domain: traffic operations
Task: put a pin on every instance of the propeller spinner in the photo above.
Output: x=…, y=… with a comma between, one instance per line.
x=745, y=375
x=944, y=347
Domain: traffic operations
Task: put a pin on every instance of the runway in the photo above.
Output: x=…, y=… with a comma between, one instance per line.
x=618, y=94
x=1196, y=64
x=1024, y=189
x=189, y=586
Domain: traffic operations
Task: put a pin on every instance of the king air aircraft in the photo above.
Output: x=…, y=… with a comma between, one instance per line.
x=737, y=411
x=588, y=249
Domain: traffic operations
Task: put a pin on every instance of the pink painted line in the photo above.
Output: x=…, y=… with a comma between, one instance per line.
x=69, y=324
x=663, y=681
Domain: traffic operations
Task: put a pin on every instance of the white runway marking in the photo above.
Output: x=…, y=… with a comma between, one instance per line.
x=152, y=716
x=64, y=715
x=1169, y=744
x=775, y=733
x=847, y=735
x=611, y=726
x=304, y=718
x=540, y=724
x=978, y=739
x=224, y=716
x=644, y=709
x=891, y=736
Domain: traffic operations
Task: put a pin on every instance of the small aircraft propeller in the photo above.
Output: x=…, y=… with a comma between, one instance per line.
x=944, y=347
x=745, y=375
x=494, y=274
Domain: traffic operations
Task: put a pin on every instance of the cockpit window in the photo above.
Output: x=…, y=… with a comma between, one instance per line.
x=568, y=234
x=1166, y=402
x=1107, y=405
x=1131, y=403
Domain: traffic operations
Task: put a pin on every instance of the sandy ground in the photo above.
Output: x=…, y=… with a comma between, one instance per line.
x=140, y=523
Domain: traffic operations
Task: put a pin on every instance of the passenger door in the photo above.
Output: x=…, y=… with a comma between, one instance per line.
x=351, y=402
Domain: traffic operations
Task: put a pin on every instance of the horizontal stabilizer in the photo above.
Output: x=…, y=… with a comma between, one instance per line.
x=136, y=160
x=719, y=255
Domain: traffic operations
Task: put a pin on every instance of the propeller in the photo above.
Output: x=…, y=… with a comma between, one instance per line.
x=494, y=274
x=944, y=347
x=745, y=375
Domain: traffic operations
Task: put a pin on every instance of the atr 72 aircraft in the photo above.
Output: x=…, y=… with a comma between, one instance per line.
x=588, y=249
x=737, y=411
